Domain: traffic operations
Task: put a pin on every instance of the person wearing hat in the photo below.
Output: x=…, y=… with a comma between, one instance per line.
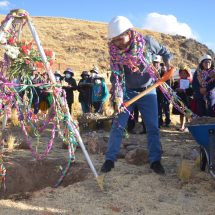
x=130, y=56
x=163, y=103
x=46, y=99
x=156, y=60
x=183, y=89
x=85, y=92
x=36, y=79
x=99, y=94
x=93, y=73
x=70, y=87
x=58, y=77
x=204, y=86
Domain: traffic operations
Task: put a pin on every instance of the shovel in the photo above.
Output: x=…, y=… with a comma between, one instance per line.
x=160, y=81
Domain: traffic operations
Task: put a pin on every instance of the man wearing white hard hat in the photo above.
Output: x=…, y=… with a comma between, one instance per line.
x=130, y=56
x=204, y=86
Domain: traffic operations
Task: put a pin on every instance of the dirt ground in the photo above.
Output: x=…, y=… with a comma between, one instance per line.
x=128, y=189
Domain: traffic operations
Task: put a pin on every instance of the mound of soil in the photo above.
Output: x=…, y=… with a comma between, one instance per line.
x=202, y=121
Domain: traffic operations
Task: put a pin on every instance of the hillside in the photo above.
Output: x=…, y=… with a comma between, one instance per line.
x=81, y=44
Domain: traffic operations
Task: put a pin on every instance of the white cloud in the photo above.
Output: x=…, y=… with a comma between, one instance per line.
x=4, y=4
x=167, y=24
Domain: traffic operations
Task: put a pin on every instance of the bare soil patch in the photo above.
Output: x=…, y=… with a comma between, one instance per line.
x=128, y=189
x=26, y=175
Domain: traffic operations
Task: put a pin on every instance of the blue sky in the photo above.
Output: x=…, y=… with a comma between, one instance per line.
x=193, y=19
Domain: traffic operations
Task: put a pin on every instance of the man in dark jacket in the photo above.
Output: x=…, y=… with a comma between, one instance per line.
x=71, y=86
x=85, y=92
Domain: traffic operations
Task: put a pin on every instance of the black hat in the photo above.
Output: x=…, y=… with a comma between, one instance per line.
x=94, y=71
x=85, y=73
x=57, y=74
x=68, y=70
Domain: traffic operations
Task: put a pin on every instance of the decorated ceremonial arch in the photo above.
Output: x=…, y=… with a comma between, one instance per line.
x=20, y=59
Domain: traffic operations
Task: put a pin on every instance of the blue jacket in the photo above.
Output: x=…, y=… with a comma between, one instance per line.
x=99, y=92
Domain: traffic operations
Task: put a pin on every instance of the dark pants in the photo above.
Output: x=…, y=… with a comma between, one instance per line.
x=69, y=103
x=203, y=109
x=133, y=119
x=97, y=107
x=85, y=106
x=36, y=99
x=163, y=107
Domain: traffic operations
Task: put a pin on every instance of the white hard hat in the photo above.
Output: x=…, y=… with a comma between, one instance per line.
x=157, y=58
x=117, y=26
x=205, y=57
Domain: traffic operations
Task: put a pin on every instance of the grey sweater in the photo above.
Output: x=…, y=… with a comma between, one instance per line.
x=141, y=79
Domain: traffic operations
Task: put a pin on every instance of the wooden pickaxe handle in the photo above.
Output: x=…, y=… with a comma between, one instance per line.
x=160, y=81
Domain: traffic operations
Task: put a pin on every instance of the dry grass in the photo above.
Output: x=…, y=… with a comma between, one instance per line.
x=14, y=117
x=10, y=143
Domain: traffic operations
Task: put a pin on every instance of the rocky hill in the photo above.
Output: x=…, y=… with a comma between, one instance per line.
x=81, y=44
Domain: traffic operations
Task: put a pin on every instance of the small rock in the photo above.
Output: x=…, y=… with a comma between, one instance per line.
x=122, y=153
x=131, y=147
x=96, y=146
x=137, y=156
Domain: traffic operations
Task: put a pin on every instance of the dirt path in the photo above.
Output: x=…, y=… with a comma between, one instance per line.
x=129, y=189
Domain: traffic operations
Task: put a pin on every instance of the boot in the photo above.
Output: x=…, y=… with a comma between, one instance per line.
x=107, y=166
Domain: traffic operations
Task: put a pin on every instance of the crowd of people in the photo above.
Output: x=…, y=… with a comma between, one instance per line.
x=92, y=89
x=130, y=54
x=194, y=90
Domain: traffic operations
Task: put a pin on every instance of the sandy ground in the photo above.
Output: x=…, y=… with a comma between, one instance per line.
x=128, y=189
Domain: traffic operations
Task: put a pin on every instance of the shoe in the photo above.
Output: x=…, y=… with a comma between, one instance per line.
x=160, y=124
x=180, y=129
x=167, y=122
x=107, y=166
x=132, y=132
x=157, y=167
x=186, y=130
x=143, y=132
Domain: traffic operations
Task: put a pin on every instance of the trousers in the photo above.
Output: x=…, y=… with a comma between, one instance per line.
x=147, y=106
